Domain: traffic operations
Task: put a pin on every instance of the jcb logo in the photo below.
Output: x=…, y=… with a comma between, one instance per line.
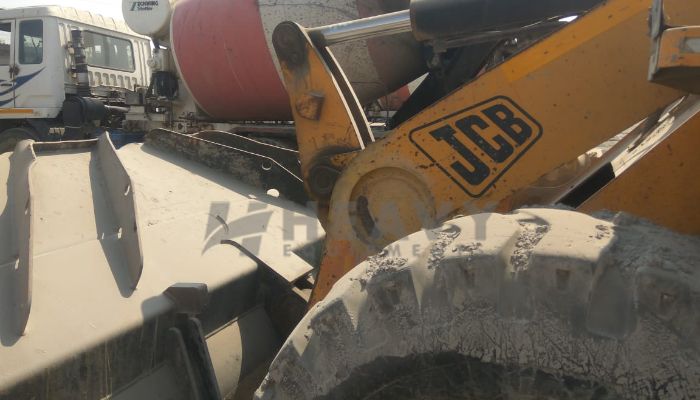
x=476, y=146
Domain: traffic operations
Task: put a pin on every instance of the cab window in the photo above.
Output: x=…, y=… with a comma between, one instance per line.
x=5, y=39
x=108, y=52
x=31, y=46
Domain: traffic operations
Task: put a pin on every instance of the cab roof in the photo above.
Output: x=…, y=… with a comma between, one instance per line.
x=68, y=13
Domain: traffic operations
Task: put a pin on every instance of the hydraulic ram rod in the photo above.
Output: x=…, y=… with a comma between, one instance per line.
x=365, y=28
x=455, y=19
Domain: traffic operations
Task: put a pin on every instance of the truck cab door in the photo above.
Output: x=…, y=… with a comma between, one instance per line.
x=34, y=86
x=7, y=65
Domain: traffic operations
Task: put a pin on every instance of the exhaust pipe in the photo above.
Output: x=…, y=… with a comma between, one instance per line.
x=81, y=67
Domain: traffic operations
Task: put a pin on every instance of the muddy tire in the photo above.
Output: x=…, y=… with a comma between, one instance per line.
x=540, y=304
x=10, y=137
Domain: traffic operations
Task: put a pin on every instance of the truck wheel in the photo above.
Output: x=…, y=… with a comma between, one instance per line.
x=539, y=304
x=10, y=137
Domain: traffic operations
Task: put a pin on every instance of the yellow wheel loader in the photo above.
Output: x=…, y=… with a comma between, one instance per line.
x=525, y=229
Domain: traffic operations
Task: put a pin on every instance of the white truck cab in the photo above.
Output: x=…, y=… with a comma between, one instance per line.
x=38, y=64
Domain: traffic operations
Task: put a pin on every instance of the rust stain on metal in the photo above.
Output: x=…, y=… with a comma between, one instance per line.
x=310, y=104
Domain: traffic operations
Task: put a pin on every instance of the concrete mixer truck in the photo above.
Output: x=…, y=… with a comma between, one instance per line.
x=211, y=68
x=214, y=67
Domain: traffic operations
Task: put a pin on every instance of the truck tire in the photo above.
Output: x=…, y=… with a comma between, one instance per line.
x=539, y=304
x=10, y=137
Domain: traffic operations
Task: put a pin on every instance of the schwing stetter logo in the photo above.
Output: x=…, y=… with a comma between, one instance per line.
x=144, y=5
x=477, y=145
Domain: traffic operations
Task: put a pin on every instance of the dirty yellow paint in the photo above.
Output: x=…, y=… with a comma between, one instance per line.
x=661, y=185
x=553, y=102
x=559, y=45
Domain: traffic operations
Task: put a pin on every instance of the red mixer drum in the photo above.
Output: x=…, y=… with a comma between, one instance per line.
x=224, y=54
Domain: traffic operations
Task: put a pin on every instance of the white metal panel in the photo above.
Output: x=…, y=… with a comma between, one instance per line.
x=39, y=84
x=109, y=77
x=7, y=95
x=71, y=14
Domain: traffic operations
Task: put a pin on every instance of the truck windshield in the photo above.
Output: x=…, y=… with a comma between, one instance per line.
x=108, y=52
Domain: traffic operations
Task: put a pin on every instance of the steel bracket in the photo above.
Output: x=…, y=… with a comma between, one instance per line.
x=675, y=53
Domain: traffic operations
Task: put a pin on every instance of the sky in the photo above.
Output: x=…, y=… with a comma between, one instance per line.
x=110, y=8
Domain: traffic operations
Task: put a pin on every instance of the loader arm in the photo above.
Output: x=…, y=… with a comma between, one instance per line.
x=477, y=146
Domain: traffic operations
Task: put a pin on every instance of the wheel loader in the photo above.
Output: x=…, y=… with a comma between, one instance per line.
x=525, y=229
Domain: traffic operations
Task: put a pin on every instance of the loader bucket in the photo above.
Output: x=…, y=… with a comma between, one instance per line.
x=147, y=272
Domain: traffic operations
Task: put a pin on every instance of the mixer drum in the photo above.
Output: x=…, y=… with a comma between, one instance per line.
x=223, y=51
